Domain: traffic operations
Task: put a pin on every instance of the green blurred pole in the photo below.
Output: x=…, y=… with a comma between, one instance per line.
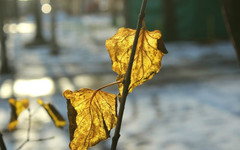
x=231, y=13
x=170, y=20
x=4, y=60
x=126, y=12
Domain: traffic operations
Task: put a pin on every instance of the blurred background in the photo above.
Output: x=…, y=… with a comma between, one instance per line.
x=193, y=103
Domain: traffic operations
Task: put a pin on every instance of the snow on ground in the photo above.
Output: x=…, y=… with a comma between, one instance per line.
x=199, y=116
x=193, y=103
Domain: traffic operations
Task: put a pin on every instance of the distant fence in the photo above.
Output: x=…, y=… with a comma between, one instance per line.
x=182, y=19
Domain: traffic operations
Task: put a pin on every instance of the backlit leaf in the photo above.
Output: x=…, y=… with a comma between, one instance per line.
x=91, y=114
x=16, y=108
x=147, y=61
x=56, y=117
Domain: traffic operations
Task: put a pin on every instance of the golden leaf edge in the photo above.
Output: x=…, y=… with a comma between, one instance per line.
x=105, y=124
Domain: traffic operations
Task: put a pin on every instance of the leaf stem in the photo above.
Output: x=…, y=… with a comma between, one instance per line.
x=105, y=86
x=128, y=77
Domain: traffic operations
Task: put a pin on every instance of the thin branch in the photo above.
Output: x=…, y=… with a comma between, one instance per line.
x=43, y=139
x=37, y=140
x=29, y=130
x=22, y=145
x=128, y=77
x=29, y=124
x=35, y=111
x=2, y=144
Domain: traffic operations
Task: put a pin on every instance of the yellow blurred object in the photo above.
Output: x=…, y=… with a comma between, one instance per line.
x=56, y=117
x=16, y=108
x=91, y=114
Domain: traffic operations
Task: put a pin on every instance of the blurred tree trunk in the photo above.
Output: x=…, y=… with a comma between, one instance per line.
x=38, y=39
x=68, y=6
x=53, y=44
x=16, y=11
x=38, y=17
x=83, y=6
x=113, y=10
x=170, y=19
x=76, y=7
x=231, y=11
x=4, y=60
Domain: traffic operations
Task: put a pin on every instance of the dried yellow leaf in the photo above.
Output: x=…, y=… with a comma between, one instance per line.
x=148, y=56
x=16, y=108
x=56, y=117
x=91, y=114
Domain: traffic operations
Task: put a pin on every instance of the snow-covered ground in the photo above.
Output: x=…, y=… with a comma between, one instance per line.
x=199, y=116
x=193, y=103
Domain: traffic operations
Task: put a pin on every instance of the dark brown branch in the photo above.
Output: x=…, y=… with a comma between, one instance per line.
x=2, y=144
x=128, y=78
x=231, y=15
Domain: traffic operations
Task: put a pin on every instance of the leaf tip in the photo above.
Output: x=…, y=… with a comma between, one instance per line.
x=16, y=108
x=67, y=94
x=25, y=103
x=11, y=101
x=12, y=125
x=161, y=46
x=40, y=102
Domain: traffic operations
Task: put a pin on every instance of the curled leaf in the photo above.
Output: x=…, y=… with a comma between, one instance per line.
x=56, y=117
x=147, y=61
x=16, y=108
x=91, y=114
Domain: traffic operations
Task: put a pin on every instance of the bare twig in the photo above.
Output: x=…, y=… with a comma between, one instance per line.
x=22, y=145
x=28, y=133
x=43, y=139
x=35, y=111
x=29, y=124
x=2, y=144
x=128, y=78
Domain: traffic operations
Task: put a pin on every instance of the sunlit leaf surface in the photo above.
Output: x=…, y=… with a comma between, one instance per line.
x=56, y=117
x=16, y=108
x=147, y=61
x=92, y=114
